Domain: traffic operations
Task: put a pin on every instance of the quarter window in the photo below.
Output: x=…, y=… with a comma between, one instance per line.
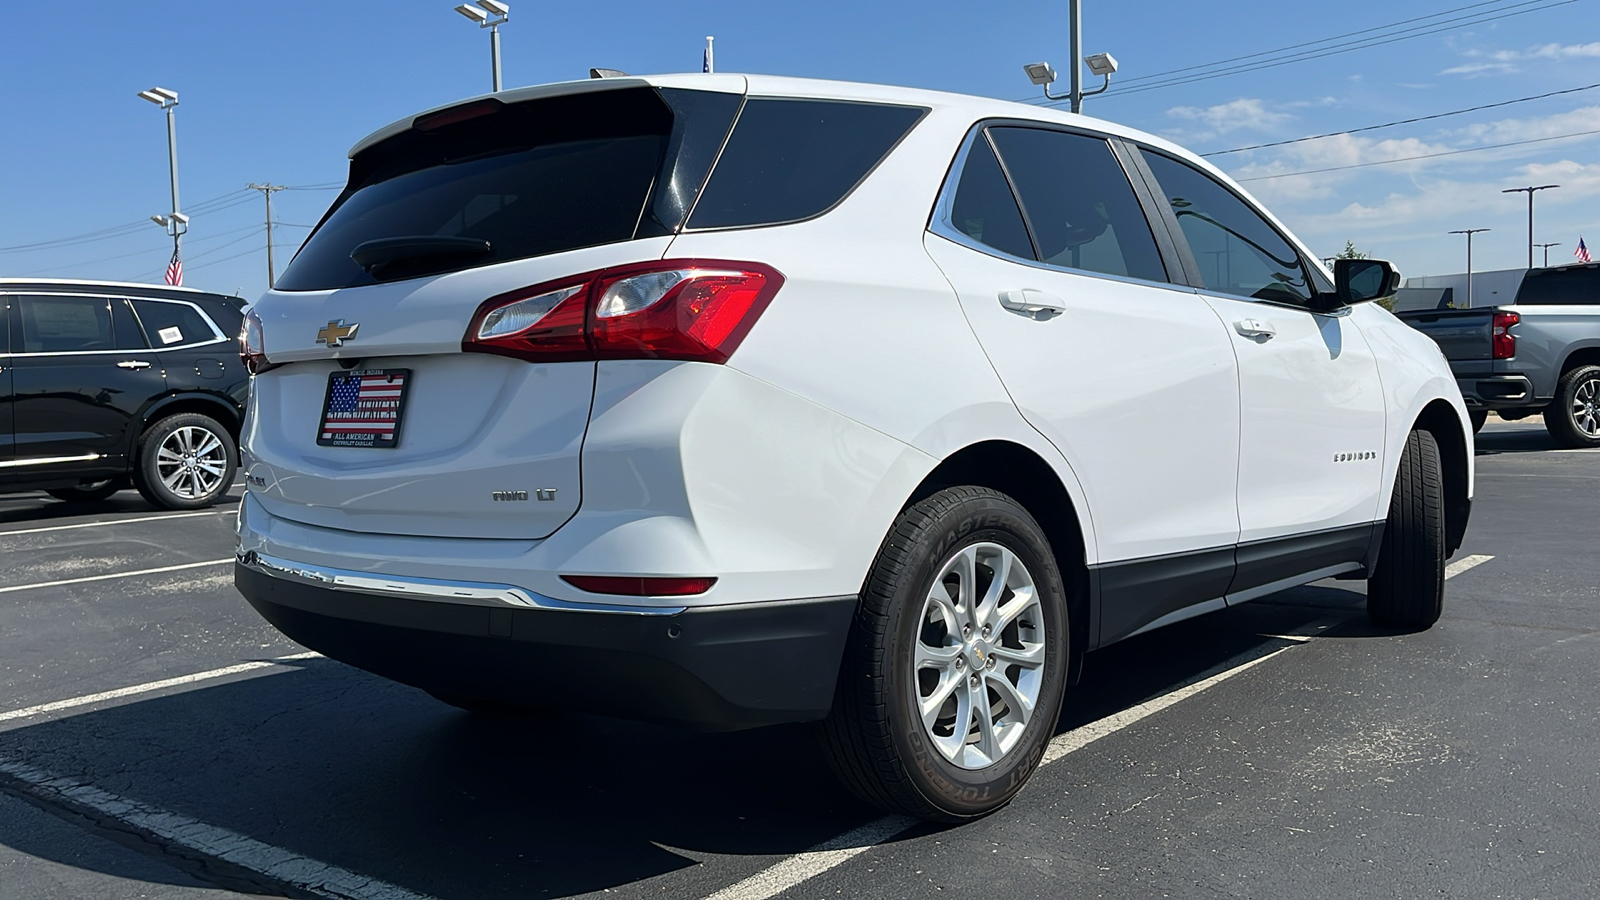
x=1238, y=251
x=1081, y=209
x=985, y=209
x=172, y=324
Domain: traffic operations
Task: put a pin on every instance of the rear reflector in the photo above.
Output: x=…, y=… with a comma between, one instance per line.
x=640, y=587
x=689, y=309
x=1505, y=343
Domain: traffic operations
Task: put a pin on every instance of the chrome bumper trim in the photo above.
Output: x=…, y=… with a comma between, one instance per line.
x=464, y=592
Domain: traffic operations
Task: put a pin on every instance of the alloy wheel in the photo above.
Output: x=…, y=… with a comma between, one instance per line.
x=192, y=462
x=978, y=661
x=1586, y=407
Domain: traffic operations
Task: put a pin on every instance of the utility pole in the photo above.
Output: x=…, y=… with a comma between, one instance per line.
x=267, y=190
x=1469, y=232
x=1547, y=251
x=1530, y=191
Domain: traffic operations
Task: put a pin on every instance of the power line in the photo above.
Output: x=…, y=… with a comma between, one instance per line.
x=1386, y=162
x=1164, y=79
x=199, y=209
x=1453, y=112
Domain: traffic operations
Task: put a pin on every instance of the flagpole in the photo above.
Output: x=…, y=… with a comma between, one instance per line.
x=709, y=64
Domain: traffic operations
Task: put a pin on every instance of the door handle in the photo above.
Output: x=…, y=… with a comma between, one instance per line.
x=1036, y=305
x=133, y=364
x=1255, y=328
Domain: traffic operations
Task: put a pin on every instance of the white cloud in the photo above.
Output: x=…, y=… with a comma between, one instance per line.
x=1505, y=62
x=1245, y=113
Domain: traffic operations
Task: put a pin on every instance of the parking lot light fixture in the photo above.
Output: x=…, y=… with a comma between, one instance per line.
x=490, y=14
x=1469, y=232
x=176, y=223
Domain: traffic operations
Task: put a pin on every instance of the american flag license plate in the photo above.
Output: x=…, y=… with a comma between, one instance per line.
x=363, y=408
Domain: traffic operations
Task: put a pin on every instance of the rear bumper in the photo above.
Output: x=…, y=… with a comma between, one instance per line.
x=715, y=668
x=1497, y=391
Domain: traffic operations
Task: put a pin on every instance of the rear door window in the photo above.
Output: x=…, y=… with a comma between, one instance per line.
x=1081, y=210
x=1575, y=286
x=789, y=160
x=66, y=324
x=1238, y=251
x=169, y=324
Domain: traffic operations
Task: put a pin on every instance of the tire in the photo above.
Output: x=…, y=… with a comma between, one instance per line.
x=875, y=737
x=480, y=707
x=92, y=493
x=1406, y=589
x=160, y=472
x=1573, y=417
x=1478, y=417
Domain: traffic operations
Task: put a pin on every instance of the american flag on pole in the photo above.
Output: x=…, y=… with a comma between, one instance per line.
x=1582, y=253
x=363, y=409
x=175, y=268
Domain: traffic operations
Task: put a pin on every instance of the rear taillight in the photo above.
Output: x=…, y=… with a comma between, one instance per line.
x=1505, y=343
x=690, y=309
x=252, y=344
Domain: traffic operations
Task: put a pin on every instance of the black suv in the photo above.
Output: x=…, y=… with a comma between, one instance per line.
x=105, y=384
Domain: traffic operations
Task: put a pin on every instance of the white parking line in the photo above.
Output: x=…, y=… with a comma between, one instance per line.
x=781, y=876
x=284, y=866
x=147, y=687
x=87, y=578
x=1465, y=563
x=107, y=522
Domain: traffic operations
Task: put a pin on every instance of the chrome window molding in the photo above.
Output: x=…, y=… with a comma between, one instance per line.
x=217, y=336
x=463, y=592
x=942, y=223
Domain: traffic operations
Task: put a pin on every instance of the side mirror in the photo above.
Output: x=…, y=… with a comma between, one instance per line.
x=1362, y=280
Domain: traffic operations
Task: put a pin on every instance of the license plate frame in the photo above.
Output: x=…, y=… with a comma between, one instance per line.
x=385, y=435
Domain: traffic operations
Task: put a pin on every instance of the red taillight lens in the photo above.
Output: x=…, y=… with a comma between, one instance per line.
x=676, y=309
x=252, y=344
x=639, y=587
x=1505, y=343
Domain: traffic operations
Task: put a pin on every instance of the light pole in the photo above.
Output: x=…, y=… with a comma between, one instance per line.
x=1469, y=232
x=1103, y=64
x=176, y=223
x=490, y=14
x=1547, y=251
x=1530, y=191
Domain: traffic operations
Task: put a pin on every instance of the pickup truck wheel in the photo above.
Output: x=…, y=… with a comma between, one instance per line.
x=1478, y=417
x=1573, y=418
x=956, y=662
x=185, y=461
x=1407, y=587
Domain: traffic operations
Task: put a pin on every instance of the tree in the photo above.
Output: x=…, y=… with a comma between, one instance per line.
x=1350, y=252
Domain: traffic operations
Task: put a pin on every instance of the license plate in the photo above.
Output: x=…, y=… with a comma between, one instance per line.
x=363, y=408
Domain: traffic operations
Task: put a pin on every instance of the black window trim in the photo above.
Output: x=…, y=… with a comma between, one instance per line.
x=1186, y=254
x=728, y=138
x=218, y=339
x=941, y=223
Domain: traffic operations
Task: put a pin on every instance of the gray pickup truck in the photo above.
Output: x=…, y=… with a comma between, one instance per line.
x=1538, y=354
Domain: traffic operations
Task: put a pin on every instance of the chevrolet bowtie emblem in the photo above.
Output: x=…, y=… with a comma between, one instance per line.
x=335, y=333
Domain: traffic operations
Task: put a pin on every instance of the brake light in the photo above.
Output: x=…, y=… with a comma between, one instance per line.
x=1505, y=343
x=639, y=587
x=693, y=309
x=252, y=344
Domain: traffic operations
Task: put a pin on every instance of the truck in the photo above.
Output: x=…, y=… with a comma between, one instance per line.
x=1537, y=354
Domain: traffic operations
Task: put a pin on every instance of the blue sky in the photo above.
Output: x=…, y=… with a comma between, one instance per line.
x=279, y=91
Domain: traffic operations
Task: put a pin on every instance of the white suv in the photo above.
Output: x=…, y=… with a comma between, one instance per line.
x=731, y=400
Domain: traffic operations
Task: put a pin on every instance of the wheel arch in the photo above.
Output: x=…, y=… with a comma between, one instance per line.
x=176, y=404
x=1583, y=356
x=1440, y=419
x=1023, y=475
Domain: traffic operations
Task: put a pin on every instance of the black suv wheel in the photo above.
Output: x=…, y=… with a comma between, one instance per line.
x=185, y=461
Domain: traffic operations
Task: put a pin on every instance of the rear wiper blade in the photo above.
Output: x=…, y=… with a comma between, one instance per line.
x=371, y=254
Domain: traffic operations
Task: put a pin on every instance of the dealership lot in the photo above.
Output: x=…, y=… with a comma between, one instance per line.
x=1281, y=748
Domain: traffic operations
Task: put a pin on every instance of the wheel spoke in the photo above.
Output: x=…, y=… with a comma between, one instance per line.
x=1000, y=564
x=168, y=456
x=212, y=467
x=941, y=692
x=172, y=480
x=987, y=743
x=939, y=599
x=931, y=657
x=1021, y=601
x=209, y=444
x=1029, y=656
x=965, y=566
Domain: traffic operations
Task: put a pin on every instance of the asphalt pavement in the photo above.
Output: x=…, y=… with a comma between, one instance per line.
x=157, y=739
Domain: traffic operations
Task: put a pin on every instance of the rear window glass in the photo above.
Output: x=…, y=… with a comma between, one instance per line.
x=1575, y=286
x=172, y=324
x=789, y=160
x=521, y=180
